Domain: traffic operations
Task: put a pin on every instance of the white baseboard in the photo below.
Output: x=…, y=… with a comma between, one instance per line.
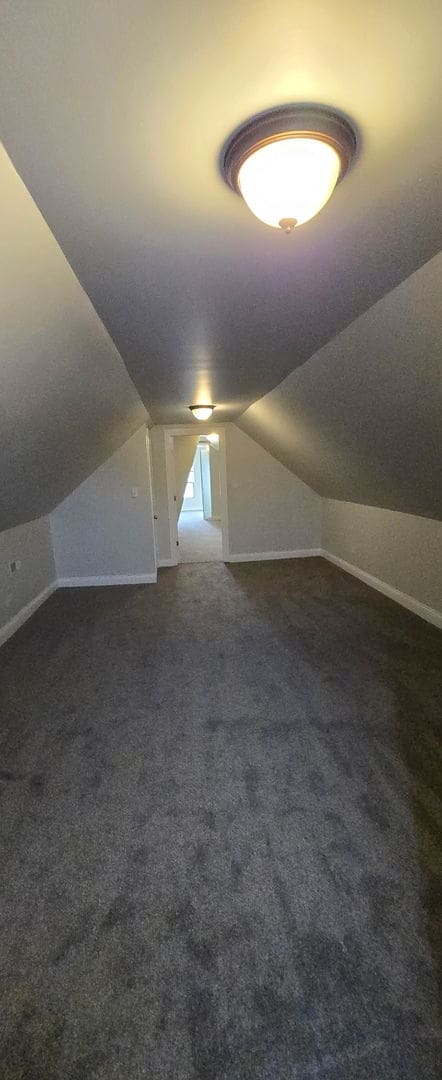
x=260, y=556
x=25, y=613
x=107, y=579
x=423, y=610
x=166, y=562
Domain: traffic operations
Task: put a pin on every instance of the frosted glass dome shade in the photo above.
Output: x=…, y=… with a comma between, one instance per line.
x=289, y=179
x=201, y=412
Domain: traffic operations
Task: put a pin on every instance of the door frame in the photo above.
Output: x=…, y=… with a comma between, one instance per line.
x=189, y=429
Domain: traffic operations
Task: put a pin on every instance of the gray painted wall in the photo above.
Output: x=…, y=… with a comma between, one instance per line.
x=66, y=400
x=100, y=530
x=269, y=509
x=31, y=544
x=402, y=550
x=361, y=421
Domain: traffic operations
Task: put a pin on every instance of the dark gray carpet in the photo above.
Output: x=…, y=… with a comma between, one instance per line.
x=220, y=813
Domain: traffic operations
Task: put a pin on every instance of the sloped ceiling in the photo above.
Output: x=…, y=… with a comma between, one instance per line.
x=362, y=419
x=114, y=112
x=66, y=400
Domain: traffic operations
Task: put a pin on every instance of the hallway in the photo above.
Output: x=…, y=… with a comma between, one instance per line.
x=215, y=855
x=199, y=540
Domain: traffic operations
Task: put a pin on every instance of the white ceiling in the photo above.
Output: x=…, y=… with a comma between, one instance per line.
x=114, y=111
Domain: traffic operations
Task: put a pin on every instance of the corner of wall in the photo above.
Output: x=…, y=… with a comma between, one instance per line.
x=103, y=532
x=397, y=554
x=21, y=593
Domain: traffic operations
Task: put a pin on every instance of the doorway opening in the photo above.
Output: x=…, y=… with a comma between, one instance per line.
x=198, y=498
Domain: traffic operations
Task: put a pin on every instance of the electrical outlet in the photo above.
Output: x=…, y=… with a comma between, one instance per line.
x=134, y=493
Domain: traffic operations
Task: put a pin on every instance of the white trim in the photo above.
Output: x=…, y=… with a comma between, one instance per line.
x=150, y=499
x=25, y=613
x=423, y=610
x=107, y=579
x=224, y=515
x=261, y=556
x=166, y=562
x=171, y=496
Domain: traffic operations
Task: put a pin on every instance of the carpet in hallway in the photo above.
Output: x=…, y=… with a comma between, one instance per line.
x=199, y=540
x=220, y=806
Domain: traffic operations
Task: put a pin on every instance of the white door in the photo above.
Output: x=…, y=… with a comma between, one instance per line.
x=193, y=496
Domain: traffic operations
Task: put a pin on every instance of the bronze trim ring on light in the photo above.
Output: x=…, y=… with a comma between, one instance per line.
x=288, y=123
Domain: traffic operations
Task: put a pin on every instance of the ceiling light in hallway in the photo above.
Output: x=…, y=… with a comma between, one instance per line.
x=201, y=412
x=286, y=162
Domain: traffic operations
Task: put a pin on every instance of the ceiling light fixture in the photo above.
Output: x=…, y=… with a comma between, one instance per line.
x=286, y=162
x=201, y=412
